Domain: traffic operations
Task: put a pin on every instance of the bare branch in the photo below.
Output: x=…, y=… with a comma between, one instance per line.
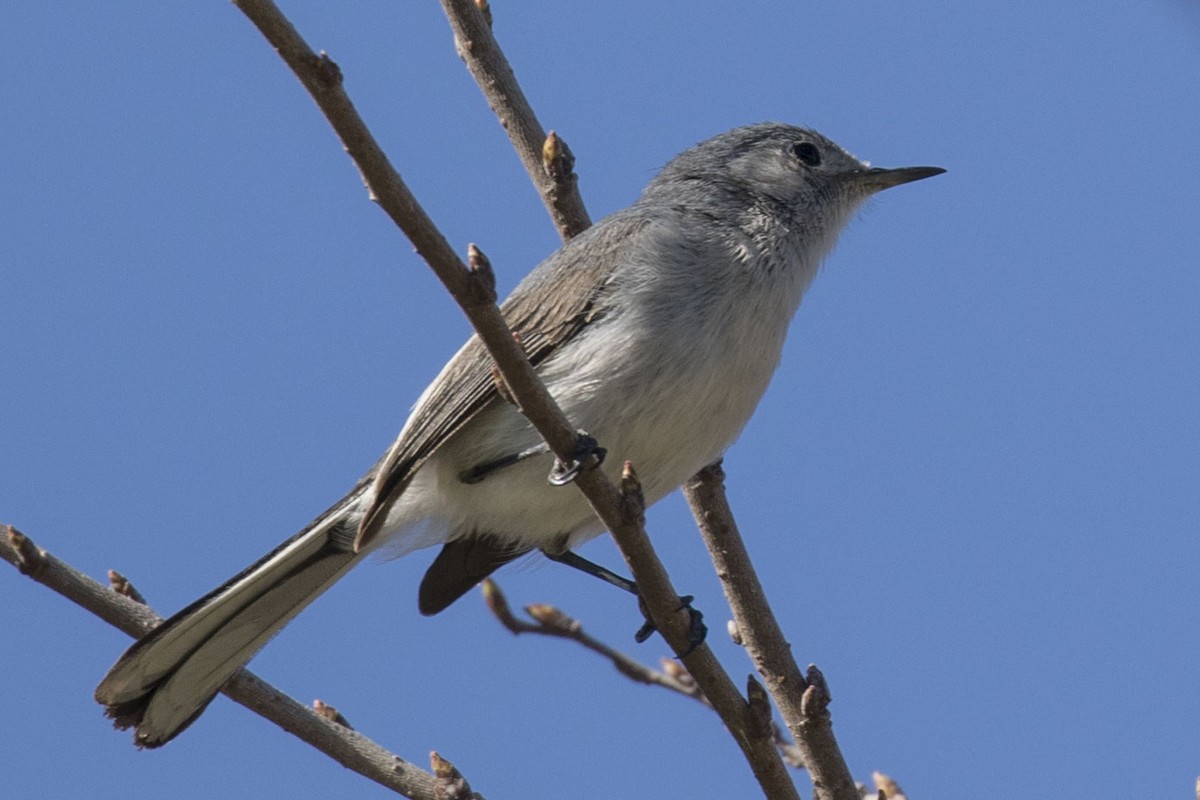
x=128, y=616
x=659, y=595
x=550, y=621
x=803, y=700
x=546, y=158
x=323, y=79
x=350, y=749
x=477, y=46
x=621, y=512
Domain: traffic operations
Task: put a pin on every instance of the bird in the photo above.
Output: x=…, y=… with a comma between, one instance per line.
x=656, y=330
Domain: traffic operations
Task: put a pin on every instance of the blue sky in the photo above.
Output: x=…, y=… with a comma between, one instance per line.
x=971, y=489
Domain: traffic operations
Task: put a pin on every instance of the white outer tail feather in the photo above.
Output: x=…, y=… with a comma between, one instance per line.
x=165, y=681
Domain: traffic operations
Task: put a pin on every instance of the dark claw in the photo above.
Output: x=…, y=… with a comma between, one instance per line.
x=696, y=632
x=586, y=446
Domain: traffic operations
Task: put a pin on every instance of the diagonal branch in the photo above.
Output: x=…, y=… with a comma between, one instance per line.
x=323, y=80
x=803, y=700
x=350, y=749
x=558, y=188
x=621, y=512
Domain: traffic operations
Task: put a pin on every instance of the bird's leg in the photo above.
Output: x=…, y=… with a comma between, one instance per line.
x=586, y=446
x=698, y=629
x=480, y=471
x=576, y=561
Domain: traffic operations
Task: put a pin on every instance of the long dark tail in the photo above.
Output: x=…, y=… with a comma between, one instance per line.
x=167, y=678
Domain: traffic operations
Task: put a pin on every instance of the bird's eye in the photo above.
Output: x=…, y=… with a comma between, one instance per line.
x=808, y=153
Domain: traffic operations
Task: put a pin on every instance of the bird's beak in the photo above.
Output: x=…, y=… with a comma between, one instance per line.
x=878, y=178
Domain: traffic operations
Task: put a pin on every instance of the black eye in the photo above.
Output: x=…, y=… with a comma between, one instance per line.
x=808, y=153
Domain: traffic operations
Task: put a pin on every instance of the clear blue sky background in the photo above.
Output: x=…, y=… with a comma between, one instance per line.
x=971, y=489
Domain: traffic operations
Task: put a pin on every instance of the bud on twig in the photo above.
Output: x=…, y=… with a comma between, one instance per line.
x=633, y=503
x=330, y=713
x=121, y=585
x=451, y=785
x=329, y=73
x=483, y=283
x=815, y=700
x=497, y=603
x=676, y=670
x=759, y=707
x=887, y=787
x=557, y=159
x=552, y=617
x=29, y=556
x=502, y=387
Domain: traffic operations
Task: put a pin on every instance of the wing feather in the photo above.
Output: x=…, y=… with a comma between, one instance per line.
x=549, y=308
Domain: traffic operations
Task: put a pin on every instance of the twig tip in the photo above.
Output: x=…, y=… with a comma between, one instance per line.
x=497, y=603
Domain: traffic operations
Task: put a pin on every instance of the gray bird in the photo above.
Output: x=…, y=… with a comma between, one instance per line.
x=657, y=331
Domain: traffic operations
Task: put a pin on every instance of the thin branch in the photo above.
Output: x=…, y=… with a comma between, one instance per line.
x=350, y=749
x=548, y=165
x=803, y=700
x=323, y=79
x=621, y=512
x=550, y=621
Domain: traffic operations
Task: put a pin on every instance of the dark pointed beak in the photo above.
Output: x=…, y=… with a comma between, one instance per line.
x=879, y=178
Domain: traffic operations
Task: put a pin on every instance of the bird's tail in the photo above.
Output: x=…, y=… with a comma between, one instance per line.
x=168, y=677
